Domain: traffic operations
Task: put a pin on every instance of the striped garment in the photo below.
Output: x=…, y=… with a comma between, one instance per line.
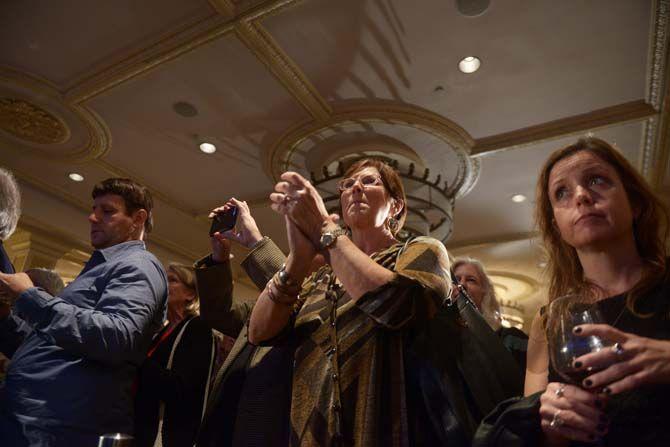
x=349, y=383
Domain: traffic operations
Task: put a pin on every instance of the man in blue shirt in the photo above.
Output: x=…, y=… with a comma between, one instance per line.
x=71, y=379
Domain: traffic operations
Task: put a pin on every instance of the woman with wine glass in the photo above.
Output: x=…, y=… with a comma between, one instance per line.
x=605, y=233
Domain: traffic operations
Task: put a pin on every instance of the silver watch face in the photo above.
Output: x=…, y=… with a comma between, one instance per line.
x=326, y=240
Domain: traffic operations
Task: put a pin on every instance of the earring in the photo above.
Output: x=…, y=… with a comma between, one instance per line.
x=393, y=224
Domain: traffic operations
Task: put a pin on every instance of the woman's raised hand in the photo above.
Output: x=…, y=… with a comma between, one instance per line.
x=569, y=412
x=295, y=197
x=301, y=251
x=632, y=362
x=246, y=231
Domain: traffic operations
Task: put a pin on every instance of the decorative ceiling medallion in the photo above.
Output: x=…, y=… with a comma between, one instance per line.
x=69, y=133
x=358, y=130
x=30, y=122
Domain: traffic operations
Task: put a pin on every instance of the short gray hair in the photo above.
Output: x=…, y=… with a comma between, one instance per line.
x=10, y=204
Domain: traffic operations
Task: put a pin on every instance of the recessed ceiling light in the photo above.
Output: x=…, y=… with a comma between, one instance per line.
x=518, y=198
x=76, y=177
x=207, y=148
x=469, y=64
x=185, y=109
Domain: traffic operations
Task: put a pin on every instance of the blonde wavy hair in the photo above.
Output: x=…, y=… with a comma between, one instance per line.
x=650, y=227
x=186, y=276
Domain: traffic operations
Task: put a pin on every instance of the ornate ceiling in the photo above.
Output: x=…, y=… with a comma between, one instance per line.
x=131, y=88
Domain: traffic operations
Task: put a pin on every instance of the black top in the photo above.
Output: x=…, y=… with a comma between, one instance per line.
x=638, y=417
x=182, y=388
x=516, y=342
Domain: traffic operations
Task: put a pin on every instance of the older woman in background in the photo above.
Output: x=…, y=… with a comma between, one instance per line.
x=174, y=379
x=471, y=275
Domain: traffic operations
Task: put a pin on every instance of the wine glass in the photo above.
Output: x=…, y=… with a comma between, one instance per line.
x=565, y=346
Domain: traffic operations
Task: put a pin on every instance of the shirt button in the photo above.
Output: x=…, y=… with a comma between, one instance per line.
x=332, y=323
x=335, y=407
x=335, y=377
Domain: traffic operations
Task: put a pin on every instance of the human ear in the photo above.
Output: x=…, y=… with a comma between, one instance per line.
x=139, y=218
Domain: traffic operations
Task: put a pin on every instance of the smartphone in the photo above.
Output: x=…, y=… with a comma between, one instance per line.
x=224, y=221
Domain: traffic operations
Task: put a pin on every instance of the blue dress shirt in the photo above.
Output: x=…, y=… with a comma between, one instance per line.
x=71, y=378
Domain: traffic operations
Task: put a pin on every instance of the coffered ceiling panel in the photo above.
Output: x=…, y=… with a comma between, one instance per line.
x=62, y=40
x=488, y=211
x=236, y=104
x=541, y=60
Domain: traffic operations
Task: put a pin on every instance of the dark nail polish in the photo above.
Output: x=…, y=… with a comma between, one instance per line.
x=577, y=364
x=577, y=330
x=607, y=390
x=588, y=383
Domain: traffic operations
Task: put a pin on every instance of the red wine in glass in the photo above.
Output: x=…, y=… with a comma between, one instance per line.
x=564, y=345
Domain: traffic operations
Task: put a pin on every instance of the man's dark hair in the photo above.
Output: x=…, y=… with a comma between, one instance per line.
x=135, y=196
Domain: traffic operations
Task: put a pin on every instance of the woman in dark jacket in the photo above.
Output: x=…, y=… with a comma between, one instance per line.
x=174, y=379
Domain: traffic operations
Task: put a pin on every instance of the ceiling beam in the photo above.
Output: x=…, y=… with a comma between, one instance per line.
x=609, y=116
x=287, y=72
x=500, y=239
x=168, y=48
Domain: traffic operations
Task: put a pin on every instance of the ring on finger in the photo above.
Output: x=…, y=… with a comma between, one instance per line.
x=556, y=421
x=560, y=391
x=617, y=348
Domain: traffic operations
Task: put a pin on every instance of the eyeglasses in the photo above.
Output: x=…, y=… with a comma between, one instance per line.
x=366, y=180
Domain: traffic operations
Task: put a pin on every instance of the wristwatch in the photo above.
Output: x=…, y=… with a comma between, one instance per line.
x=328, y=238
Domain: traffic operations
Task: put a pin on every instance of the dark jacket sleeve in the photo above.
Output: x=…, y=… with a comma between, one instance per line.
x=185, y=382
x=514, y=422
x=13, y=331
x=218, y=306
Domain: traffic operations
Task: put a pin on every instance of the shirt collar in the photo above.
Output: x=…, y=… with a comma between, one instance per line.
x=117, y=250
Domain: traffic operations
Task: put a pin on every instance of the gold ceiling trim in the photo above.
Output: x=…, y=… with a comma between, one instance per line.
x=143, y=61
x=274, y=162
x=654, y=154
x=30, y=122
x=606, y=117
x=60, y=194
x=532, y=284
x=279, y=156
x=501, y=239
x=287, y=72
x=268, y=8
x=225, y=8
x=67, y=240
x=44, y=92
x=177, y=44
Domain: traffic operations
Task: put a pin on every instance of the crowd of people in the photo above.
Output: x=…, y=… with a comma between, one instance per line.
x=356, y=338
